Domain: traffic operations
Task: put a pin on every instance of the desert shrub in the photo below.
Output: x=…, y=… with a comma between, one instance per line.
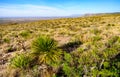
x=68, y=58
x=25, y=33
x=96, y=38
x=114, y=65
x=1, y=35
x=46, y=49
x=106, y=64
x=103, y=22
x=107, y=73
x=1, y=38
x=20, y=61
x=6, y=40
x=109, y=52
x=112, y=49
x=96, y=31
x=110, y=24
x=109, y=68
x=112, y=41
x=67, y=69
x=81, y=50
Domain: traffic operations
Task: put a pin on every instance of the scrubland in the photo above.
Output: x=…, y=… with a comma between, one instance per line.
x=64, y=47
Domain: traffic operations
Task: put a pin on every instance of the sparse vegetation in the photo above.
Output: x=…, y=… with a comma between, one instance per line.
x=6, y=40
x=65, y=47
x=20, y=61
x=25, y=33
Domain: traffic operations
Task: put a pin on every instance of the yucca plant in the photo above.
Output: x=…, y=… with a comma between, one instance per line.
x=20, y=61
x=46, y=49
x=44, y=44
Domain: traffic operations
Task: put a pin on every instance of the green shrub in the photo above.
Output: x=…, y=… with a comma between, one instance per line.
x=112, y=41
x=1, y=35
x=112, y=49
x=96, y=31
x=67, y=69
x=106, y=64
x=68, y=58
x=43, y=44
x=25, y=33
x=21, y=61
x=6, y=40
x=107, y=73
x=1, y=38
x=46, y=49
x=71, y=71
x=96, y=38
x=110, y=52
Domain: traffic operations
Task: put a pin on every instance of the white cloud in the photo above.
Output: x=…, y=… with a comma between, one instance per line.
x=59, y=9
x=31, y=10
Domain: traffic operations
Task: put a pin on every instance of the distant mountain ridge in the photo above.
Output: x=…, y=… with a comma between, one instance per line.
x=31, y=19
x=91, y=14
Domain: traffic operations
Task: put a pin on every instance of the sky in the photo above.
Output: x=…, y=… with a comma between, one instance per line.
x=48, y=8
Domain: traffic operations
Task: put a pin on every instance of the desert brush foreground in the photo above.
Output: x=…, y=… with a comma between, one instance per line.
x=65, y=47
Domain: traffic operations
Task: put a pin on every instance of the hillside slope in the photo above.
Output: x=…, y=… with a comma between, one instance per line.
x=89, y=46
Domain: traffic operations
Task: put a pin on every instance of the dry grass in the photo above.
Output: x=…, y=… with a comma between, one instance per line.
x=92, y=31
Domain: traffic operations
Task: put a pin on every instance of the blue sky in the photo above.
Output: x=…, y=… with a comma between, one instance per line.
x=21, y=8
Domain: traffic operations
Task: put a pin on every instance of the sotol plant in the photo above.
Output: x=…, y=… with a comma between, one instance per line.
x=46, y=49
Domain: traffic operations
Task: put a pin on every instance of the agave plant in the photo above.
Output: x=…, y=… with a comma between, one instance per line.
x=46, y=49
